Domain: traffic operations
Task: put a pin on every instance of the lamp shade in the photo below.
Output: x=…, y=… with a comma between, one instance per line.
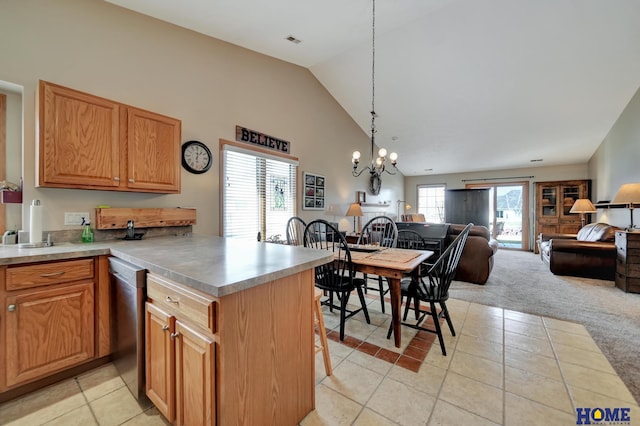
x=629, y=193
x=582, y=205
x=354, y=210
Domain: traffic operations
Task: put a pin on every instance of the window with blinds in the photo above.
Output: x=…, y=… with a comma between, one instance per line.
x=259, y=193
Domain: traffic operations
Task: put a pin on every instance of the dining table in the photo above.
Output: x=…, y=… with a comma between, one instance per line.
x=393, y=264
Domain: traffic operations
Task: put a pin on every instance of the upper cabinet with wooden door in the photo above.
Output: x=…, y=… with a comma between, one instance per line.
x=554, y=200
x=88, y=142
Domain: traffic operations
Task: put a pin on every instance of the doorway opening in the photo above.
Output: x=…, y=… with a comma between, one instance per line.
x=508, y=221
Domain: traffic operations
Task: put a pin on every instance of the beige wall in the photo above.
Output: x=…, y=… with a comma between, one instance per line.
x=212, y=86
x=617, y=161
x=532, y=175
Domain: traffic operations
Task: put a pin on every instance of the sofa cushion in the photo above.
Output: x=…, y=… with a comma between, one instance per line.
x=476, y=231
x=597, y=232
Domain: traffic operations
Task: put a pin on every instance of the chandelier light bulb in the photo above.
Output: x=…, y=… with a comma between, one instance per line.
x=393, y=156
x=382, y=152
x=356, y=155
x=379, y=161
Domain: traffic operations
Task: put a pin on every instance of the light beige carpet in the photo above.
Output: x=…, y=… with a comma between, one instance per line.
x=520, y=281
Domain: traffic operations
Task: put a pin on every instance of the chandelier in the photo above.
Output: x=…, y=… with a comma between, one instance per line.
x=377, y=166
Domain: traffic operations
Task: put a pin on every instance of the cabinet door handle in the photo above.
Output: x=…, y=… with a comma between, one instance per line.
x=132, y=181
x=116, y=178
x=52, y=274
x=170, y=299
x=165, y=327
x=11, y=308
x=174, y=335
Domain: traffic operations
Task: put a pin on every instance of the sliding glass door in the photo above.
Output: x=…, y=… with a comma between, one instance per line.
x=508, y=207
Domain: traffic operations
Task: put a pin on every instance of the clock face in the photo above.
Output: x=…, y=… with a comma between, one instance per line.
x=196, y=157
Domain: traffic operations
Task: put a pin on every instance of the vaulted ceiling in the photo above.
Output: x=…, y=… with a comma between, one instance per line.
x=460, y=85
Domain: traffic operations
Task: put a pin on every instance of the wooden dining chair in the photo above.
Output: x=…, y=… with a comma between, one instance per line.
x=295, y=231
x=382, y=231
x=410, y=239
x=433, y=288
x=322, y=331
x=335, y=277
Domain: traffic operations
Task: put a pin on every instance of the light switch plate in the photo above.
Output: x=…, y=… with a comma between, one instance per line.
x=75, y=218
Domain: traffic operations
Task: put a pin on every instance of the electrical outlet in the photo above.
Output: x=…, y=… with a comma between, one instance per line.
x=75, y=218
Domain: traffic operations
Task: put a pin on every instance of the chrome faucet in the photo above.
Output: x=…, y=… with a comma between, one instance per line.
x=130, y=229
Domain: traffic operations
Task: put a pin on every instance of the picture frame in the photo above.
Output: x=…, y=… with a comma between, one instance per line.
x=313, y=191
x=361, y=197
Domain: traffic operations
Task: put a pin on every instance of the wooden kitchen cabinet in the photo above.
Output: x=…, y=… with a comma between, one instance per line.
x=235, y=358
x=180, y=353
x=554, y=200
x=51, y=318
x=160, y=360
x=88, y=142
x=153, y=152
x=49, y=330
x=195, y=377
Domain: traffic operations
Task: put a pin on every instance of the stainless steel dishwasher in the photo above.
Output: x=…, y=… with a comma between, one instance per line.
x=128, y=294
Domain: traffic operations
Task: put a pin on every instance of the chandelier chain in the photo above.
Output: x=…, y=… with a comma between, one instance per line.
x=373, y=59
x=377, y=166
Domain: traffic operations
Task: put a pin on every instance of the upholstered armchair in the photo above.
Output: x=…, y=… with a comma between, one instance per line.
x=590, y=253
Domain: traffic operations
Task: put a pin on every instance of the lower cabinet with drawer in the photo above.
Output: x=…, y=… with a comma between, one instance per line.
x=243, y=358
x=180, y=352
x=50, y=320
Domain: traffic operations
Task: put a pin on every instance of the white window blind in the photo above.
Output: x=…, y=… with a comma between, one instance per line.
x=259, y=193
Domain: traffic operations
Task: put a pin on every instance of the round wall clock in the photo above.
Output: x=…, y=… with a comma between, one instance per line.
x=196, y=157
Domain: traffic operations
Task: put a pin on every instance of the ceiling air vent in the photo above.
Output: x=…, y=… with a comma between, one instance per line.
x=292, y=39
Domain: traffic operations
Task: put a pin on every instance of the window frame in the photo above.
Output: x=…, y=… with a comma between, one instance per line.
x=261, y=153
x=424, y=209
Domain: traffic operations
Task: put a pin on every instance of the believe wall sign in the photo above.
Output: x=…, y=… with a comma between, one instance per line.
x=251, y=136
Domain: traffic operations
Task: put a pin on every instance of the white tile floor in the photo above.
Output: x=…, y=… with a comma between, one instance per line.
x=502, y=368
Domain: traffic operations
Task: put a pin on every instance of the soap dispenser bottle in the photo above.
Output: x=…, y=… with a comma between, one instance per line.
x=87, y=232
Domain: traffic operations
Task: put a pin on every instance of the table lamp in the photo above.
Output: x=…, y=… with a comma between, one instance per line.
x=402, y=211
x=354, y=210
x=628, y=194
x=582, y=206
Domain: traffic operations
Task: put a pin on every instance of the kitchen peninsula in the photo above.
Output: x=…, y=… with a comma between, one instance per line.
x=230, y=321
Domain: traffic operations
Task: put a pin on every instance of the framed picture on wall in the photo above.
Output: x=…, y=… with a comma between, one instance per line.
x=313, y=192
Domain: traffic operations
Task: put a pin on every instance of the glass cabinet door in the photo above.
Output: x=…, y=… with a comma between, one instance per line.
x=569, y=196
x=548, y=198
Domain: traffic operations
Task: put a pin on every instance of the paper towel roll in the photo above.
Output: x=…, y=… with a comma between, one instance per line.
x=35, y=222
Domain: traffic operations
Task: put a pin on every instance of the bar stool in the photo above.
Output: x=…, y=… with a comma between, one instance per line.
x=319, y=321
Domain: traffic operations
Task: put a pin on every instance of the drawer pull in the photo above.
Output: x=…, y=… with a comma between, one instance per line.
x=52, y=274
x=165, y=327
x=11, y=308
x=174, y=335
x=170, y=299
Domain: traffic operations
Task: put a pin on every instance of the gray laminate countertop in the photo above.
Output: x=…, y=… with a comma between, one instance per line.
x=214, y=265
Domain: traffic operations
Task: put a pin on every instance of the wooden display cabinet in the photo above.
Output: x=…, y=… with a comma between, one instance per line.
x=554, y=200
